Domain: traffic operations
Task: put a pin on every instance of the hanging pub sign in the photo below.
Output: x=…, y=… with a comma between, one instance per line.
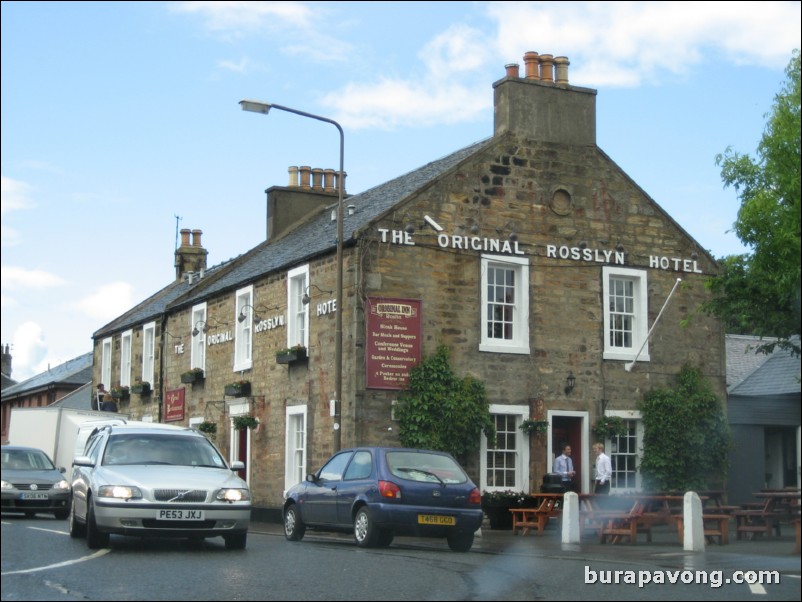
x=174, y=405
x=393, y=341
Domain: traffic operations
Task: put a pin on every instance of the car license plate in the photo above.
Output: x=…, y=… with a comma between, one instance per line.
x=436, y=519
x=180, y=515
x=33, y=496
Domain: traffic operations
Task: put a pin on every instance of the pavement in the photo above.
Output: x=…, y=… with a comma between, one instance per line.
x=664, y=551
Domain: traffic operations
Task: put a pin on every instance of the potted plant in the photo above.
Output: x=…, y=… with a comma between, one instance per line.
x=240, y=388
x=208, y=428
x=296, y=353
x=120, y=392
x=192, y=376
x=607, y=427
x=245, y=421
x=141, y=388
x=534, y=427
x=496, y=505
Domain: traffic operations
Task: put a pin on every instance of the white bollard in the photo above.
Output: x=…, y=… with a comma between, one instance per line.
x=571, y=533
x=694, y=527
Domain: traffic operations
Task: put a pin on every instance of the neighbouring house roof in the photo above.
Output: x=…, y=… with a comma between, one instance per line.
x=760, y=374
x=77, y=371
x=80, y=399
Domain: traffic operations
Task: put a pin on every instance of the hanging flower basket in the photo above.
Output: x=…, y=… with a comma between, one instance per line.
x=208, y=428
x=608, y=427
x=534, y=427
x=245, y=422
x=142, y=388
x=192, y=376
x=291, y=355
x=241, y=388
x=120, y=392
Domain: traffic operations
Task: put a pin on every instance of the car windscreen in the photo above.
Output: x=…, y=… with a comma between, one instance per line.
x=148, y=448
x=26, y=459
x=426, y=467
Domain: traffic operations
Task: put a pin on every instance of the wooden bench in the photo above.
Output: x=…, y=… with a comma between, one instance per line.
x=715, y=525
x=617, y=526
x=524, y=519
x=757, y=522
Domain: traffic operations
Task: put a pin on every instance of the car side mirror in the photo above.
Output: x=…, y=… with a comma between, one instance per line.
x=83, y=461
x=62, y=470
x=311, y=478
x=237, y=465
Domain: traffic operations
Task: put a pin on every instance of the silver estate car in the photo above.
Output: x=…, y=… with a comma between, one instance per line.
x=157, y=481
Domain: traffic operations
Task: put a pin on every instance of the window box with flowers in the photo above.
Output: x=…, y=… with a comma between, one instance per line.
x=291, y=355
x=142, y=388
x=496, y=505
x=607, y=427
x=240, y=388
x=192, y=376
x=245, y=421
x=120, y=392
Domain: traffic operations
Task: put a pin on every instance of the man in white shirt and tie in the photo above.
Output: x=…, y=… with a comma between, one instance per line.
x=565, y=467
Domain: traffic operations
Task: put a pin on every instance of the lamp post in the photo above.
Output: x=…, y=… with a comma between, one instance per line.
x=264, y=107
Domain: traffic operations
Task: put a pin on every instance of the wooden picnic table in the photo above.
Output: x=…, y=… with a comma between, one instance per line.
x=525, y=519
x=764, y=519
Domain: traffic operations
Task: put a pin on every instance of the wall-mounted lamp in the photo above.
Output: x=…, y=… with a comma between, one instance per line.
x=205, y=328
x=171, y=335
x=306, y=298
x=242, y=315
x=512, y=236
x=569, y=383
x=619, y=247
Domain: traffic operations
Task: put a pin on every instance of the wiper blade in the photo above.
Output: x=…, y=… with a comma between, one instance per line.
x=421, y=471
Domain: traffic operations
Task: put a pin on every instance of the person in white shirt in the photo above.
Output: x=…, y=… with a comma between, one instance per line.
x=565, y=467
x=604, y=470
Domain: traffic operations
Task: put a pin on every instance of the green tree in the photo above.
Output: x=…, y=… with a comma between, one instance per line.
x=759, y=293
x=686, y=439
x=441, y=411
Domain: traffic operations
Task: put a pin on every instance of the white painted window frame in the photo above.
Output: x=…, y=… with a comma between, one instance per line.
x=640, y=325
x=519, y=344
x=521, y=448
x=149, y=352
x=243, y=338
x=291, y=448
x=297, y=312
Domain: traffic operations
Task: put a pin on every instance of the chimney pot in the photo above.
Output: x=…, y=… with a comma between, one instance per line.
x=185, y=237
x=293, y=176
x=530, y=61
x=317, y=179
x=513, y=70
x=196, y=238
x=328, y=180
x=306, y=172
x=547, y=68
x=561, y=67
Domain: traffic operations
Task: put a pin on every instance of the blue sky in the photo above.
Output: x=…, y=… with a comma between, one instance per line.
x=119, y=116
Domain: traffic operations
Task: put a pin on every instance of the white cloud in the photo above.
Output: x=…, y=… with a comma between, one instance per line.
x=19, y=278
x=108, y=301
x=14, y=195
x=625, y=43
x=237, y=67
x=29, y=348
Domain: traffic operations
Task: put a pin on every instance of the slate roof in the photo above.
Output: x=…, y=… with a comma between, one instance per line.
x=80, y=399
x=316, y=236
x=77, y=371
x=777, y=374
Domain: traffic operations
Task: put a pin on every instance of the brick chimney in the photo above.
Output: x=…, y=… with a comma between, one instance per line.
x=190, y=257
x=542, y=106
x=309, y=190
x=6, y=362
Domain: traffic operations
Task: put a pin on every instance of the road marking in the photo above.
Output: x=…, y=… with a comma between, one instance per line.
x=58, y=565
x=758, y=589
x=48, y=530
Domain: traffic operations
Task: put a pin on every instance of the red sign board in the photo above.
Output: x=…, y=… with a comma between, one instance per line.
x=174, y=405
x=394, y=341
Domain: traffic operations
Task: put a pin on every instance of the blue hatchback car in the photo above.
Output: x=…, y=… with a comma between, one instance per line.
x=380, y=492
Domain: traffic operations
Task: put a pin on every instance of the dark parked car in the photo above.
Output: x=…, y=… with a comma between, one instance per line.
x=378, y=492
x=32, y=483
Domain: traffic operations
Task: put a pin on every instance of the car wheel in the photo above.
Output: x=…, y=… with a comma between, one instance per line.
x=366, y=533
x=76, y=528
x=61, y=514
x=236, y=541
x=294, y=527
x=95, y=538
x=460, y=541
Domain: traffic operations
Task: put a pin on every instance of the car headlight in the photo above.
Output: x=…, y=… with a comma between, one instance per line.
x=7, y=485
x=233, y=495
x=62, y=485
x=120, y=492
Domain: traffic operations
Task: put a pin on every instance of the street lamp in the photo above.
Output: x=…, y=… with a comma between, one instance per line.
x=264, y=107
